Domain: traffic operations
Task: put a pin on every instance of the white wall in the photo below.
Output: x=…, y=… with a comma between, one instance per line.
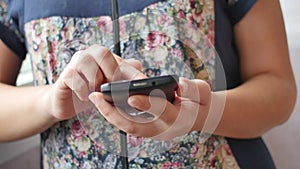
x=11, y=150
x=284, y=141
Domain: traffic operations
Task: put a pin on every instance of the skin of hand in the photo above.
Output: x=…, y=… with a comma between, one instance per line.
x=170, y=119
x=87, y=70
x=39, y=107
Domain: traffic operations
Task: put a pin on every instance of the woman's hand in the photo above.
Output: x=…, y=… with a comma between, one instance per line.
x=87, y=70
x=171, y=119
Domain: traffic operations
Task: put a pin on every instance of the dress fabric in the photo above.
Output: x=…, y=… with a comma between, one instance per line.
x=168, y=37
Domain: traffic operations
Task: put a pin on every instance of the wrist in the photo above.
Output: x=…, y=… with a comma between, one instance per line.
x=210, y=115
x=46, y=107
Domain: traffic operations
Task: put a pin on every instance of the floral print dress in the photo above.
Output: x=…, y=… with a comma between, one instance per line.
x=168, y=37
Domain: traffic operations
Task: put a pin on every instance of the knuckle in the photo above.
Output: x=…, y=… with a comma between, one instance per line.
x=98, y=51
x=204, y=91
x=78, y=88
x=78, y=85
x=68, y=73
x=83, y=61
x=101, y=50
x=205, y=86
x=104, y=52
x=86, y=59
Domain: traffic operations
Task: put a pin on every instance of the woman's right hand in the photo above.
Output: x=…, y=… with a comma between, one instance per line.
x=85, y=73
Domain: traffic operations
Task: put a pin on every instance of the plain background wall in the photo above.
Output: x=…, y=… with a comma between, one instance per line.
x=283, y=141
x=9, y=151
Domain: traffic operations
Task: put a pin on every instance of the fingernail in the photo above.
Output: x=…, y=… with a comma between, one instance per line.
x=133, y=101
x=92, y=98
x=183, y=85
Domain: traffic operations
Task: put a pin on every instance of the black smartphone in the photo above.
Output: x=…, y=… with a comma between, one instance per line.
x=118, y=93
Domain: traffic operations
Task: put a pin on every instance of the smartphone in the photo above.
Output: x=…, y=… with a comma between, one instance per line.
x=118, y=93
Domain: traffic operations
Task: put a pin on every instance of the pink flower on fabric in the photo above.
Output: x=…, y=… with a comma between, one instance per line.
x=163, y=20
x=154, y=40
x=167, y=165
x=210, y=39
x=52, y=62
x=189, y=17
x=194, y=150
x=181, y=15
x=77, y=130
x=176, y=52
x=192, y=3
x=197, y=11
x=82, y=154
x=176, y=164
x=228, y=149
x=105, y=24
x=36, y=28
x=212, y=160
x=122, y=26
x=135, y=141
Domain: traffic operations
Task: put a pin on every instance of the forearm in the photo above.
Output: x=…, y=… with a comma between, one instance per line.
x=259, y=104
x=23, y=112
x=268, y=94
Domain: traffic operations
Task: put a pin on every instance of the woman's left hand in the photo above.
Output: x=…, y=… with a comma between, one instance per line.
x=185, y=114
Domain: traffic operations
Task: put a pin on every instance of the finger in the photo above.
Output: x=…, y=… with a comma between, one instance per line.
x=107, y=62
x=119, y=119
x=153, y=105
x=77, y=84
x=88, y=68
x=112, y=66
x=176, y=120
x=131, y=70
x=133, y=62
x=111, y=113
x=195, y=90
x=184, y=122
